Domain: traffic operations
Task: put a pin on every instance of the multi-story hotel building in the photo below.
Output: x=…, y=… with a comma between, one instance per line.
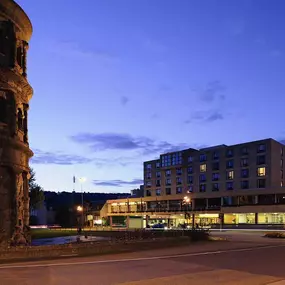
x=237, y=184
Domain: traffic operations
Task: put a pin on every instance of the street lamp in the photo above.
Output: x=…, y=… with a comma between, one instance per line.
x=186, y=202
x=79, y=209
x=81, y=180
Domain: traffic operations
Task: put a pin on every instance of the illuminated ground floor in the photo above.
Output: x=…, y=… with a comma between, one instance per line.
x=195, y=219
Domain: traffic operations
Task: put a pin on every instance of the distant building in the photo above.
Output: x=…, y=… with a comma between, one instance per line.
x=139, y=192
x=229, y=185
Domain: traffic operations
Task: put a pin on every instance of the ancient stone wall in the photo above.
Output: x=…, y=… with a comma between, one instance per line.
x=15, y=93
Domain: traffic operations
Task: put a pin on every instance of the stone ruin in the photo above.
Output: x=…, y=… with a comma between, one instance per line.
x=15, y=94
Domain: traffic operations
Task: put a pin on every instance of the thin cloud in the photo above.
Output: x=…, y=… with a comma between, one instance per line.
x=124, y=142
x=46, y=157
x=213, y=91
x=118, y=182
x=74, y=50
x=60, y=158
x=124, y=100
x=205, y=117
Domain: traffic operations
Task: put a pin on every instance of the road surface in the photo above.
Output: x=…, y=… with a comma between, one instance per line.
x=246, y=259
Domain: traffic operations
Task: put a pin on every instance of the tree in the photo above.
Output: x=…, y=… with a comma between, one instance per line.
x=37, y=195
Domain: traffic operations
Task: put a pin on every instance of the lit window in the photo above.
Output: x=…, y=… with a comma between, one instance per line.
x=230, y=175
x=261, y=171
x=203, y=168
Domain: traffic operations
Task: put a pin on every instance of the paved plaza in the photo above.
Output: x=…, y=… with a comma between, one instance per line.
x=247, y=258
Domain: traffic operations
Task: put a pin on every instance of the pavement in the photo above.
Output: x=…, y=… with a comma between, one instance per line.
x=246, y=258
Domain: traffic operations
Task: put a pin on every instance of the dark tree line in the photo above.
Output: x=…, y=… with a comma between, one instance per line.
x=37, y=195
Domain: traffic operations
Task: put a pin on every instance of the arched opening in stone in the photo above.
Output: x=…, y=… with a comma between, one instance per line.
x=3, y=110
x=20, y=56
x=25, y=126
x=20, y=119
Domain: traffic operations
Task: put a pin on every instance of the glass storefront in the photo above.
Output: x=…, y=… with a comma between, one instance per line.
x=271, y=218
x=206, y=219
x=246, y=218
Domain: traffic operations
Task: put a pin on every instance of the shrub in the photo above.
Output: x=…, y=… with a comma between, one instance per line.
x=199, y=235
x=274, y=235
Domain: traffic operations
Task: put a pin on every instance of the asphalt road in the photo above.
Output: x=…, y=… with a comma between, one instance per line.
x=245, y=259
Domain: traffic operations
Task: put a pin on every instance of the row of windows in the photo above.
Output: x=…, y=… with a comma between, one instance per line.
x=261, y=183
x=230, y=153
x=244, y=162
x=230, y=164
x=176, y=158
x=261, y=171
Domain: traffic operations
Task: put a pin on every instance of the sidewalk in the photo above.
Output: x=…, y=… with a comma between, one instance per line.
x=212, y=277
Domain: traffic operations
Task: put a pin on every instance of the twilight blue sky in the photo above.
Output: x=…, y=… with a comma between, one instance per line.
x=117, y=82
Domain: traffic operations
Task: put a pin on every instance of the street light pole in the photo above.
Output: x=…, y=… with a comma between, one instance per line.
x=82, y=213
x=82, y=180
x=186, y=202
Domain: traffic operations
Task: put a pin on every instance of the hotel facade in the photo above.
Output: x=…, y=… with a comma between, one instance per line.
x=220, y=185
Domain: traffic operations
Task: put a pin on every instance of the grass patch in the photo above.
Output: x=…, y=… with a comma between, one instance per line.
x=51, y=233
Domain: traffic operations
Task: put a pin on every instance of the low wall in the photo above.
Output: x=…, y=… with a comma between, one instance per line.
x=85, y=249
x=250, y=226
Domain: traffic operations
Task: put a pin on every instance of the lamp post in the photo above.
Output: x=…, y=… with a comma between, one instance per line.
x=81, y=180
x=186, y=202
